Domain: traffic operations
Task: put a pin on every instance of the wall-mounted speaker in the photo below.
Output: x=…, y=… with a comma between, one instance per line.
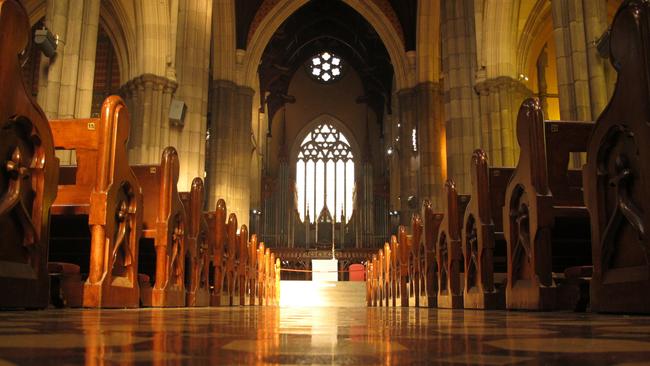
x=177, y=113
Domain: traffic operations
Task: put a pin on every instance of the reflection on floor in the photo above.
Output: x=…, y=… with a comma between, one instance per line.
x=350, y=336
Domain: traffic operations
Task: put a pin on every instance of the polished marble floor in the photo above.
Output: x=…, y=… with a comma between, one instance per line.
x=319, y=336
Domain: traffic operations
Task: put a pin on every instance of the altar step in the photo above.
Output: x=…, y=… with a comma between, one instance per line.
x=322, y=294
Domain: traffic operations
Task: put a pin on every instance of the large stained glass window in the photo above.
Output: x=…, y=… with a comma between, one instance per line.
x=325, y=174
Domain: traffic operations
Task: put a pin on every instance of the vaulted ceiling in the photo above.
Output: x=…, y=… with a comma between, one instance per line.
x=326, y=25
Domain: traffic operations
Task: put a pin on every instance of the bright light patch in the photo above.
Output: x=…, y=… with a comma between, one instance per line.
x=329, y=66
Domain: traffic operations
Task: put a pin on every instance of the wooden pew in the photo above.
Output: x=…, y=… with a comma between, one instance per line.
x=403, y=252
x=482, y=236
x=388, y=275
x=197, y=251
x=217, y=229
x=230, y=255
x=278, y=272
x=242, y=265
x=103, y=188
x=252, y=270
x=165, y=226
x=394, y=265
x=617, y=173
x=432, y=223
x=369, y=277
x=267, y=276
x=448, y=249
x=543, y=200
x=261, y=279
x=28, y=188
x=379, y=275
x=416, y=247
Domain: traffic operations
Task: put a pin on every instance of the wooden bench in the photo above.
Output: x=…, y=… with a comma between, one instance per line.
x=230, y=255
x=416, y=247
x=30, y=173
x=617, y=173
x=394, y=270
x=543, y=202
x=261, y=274
x=242, y=265
x=165, y=227
x=103, y=188
x=252, y=270
x=198, y=250
x=432, y=223
x=388, y=275
x=448, y=248
x=217, y=229
x=482, y=234
x=403, y=251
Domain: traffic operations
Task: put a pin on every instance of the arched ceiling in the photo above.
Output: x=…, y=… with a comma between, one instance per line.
x=403, y=13
x=326, y=25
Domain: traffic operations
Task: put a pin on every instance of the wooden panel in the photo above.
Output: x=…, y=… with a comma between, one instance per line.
x=30, y=173
x=617, y=173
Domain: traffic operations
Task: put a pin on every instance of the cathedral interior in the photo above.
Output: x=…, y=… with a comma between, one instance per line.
x=291, y=182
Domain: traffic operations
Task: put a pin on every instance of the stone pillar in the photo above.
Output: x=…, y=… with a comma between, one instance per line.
x=465, y=129
x=148, y=98
x=68, y=79
x=229, y=155
x=407, y=158
x=583, y=88
x=430, y=141
x=500, y=99
x=193, y=70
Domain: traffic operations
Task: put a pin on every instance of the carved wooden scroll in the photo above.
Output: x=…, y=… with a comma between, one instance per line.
x=432, y=223
x=165, y=222
x=106, y=189
x=617, y=173
x=29, y=172
x=198, y=250
x=448, y=249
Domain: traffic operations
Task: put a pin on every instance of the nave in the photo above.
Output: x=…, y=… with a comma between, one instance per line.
x=318, y=336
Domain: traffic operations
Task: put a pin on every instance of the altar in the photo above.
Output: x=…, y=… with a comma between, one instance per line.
x=325, y=270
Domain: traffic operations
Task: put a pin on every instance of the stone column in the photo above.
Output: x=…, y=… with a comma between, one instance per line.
x=583, y=88
x=193, y=69
x=68, y=79
x=430, y=144
x=229, y=155
x=500, y=99
x=407, y=158
x=465, y=129
x=148, y=98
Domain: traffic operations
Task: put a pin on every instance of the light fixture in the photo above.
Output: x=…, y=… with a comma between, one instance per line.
x=46, y=42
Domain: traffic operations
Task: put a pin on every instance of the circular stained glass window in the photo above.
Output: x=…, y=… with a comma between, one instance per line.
x=326, y=67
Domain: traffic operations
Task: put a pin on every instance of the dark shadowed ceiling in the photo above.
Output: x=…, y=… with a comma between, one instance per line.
x=326, y=25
